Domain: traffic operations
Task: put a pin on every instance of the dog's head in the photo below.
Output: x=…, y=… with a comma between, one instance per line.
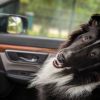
x=83, y=51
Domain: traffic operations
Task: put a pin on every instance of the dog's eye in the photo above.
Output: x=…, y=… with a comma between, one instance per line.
x=95, y=53
x=86, y=38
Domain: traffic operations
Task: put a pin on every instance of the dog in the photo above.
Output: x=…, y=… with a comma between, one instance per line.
x=74, y=73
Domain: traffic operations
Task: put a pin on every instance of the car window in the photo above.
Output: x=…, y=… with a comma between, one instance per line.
x=56, y=18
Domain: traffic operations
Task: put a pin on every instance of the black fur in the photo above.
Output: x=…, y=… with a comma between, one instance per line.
x=83, y=61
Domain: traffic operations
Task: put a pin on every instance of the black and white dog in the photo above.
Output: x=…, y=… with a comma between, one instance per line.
x=74, y=74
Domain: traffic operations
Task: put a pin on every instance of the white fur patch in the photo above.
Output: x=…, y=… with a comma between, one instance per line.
x=47, y=76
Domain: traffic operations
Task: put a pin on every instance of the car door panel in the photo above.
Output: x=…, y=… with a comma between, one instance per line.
x=20, y=69
x=17, y=56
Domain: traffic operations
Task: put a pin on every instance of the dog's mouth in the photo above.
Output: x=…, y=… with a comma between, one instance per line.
x=59, y=62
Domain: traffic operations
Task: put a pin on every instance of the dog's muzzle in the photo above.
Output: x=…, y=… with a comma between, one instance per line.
x=59, y=62
x=79, y=59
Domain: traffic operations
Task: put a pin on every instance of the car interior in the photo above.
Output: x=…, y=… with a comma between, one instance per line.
x=20, y=59
x=22, y=55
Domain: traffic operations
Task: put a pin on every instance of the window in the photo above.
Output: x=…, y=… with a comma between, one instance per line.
x=56, y=18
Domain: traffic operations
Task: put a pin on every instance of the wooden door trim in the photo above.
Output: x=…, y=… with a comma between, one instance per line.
x=4, y=47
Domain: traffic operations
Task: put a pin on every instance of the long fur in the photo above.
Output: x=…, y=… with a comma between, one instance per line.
x=66, y=83
x=49, y=75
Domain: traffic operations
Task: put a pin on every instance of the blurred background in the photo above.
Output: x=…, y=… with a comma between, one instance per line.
x=53, y=18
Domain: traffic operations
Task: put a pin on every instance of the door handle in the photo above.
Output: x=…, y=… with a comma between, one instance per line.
x=26, y=57
x=33, y=60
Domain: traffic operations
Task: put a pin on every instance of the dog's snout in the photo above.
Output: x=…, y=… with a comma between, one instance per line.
x=61, y=58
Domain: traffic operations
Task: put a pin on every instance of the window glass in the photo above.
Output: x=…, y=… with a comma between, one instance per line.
x=57, y=18
x=54, y=18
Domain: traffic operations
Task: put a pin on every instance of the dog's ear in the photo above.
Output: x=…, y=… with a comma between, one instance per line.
x=94, y=20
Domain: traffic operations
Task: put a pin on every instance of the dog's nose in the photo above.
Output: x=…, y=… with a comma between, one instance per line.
x=59, y=61
x=61, y=58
